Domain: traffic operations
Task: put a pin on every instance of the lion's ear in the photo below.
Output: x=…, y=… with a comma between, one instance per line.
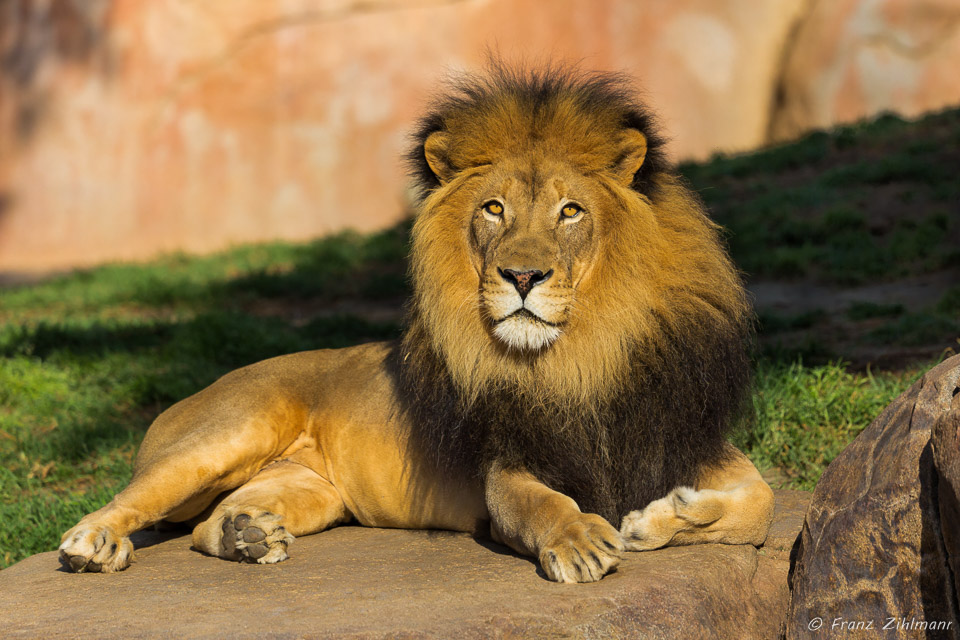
x=436, y=149
x=632, y=149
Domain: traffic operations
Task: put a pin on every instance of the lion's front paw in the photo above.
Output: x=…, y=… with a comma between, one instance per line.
x=254, y=535
x=95, y=548
x=584, y=550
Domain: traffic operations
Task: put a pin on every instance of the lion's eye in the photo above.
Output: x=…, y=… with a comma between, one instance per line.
x=571, y=211
x=493, y=208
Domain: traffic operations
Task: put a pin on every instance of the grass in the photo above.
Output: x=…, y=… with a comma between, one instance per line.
x=803, y=417
x=866, y=202
x=87, y=360
x=867, y=310
x=775, y=323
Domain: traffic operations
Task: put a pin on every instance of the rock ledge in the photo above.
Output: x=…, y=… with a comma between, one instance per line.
x=373, y=583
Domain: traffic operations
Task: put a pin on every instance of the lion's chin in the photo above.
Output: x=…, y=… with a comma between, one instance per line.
x=525, y=332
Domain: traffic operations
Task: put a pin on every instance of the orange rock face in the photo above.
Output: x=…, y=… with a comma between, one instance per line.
x=132, y=128
x=854, y=58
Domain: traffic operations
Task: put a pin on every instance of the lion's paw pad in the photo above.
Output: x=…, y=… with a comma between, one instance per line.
x=255, y=538
x=95, y=548
x=583, y=551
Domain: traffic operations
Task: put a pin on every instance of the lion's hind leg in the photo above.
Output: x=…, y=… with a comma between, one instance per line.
x=731, y=504
x=257, y=522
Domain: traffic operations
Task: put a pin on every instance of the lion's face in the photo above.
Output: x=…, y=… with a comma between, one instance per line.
x=533, y=238
x=533, y=221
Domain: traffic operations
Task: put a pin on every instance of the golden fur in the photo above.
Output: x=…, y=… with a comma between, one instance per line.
x=667, y=263
x=575, y=347
x=665, y=255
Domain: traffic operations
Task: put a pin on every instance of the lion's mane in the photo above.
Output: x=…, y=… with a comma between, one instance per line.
x=640, y=390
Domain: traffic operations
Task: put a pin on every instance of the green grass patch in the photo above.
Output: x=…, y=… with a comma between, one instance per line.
x=770, y=322
x=916, y=329
x=803, y=417
x=950, y=302
x=867, y=310
x=345, y=265
x=867, y=202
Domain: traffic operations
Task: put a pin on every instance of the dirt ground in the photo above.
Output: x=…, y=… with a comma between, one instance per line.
x=827, y=329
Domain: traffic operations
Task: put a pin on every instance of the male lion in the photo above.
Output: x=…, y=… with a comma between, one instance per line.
x=574, y=351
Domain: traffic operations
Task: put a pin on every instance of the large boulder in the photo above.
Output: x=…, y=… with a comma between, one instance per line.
x=946, y=456
x=376, y=583
x=874, y=554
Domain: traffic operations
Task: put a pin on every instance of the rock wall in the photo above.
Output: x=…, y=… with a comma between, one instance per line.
x=129, y=128
x=849, y=59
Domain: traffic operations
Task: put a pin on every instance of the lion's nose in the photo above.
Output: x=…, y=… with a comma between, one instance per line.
x=524, y=281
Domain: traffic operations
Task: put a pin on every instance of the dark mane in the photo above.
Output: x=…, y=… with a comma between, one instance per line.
x=599, y=93
x=667, y=420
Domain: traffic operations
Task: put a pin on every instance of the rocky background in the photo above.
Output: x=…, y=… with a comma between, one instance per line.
x=129, y=128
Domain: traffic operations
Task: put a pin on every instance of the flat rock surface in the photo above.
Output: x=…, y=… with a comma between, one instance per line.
x=374, y=583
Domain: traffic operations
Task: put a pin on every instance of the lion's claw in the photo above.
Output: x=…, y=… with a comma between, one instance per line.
x=584, y=550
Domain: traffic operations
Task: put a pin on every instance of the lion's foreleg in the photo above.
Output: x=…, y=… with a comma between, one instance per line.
x=258, y=521
x=531, y=518
x=100, y=542
x=730, y=504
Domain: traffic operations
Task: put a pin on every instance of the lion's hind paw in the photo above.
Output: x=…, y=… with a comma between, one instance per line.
x=683, y=509
x=95, y=548
x=254, y=535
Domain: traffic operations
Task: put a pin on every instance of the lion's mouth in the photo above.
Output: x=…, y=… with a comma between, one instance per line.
x=525, y=314
x=526, y=331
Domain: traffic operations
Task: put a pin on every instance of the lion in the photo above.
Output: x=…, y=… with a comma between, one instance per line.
x=575, y=353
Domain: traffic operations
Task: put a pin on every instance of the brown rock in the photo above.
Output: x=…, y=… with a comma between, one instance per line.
x=850, y=59
x=946, y=457
x=788, y=513
x=374, y=583
x=872, y=546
